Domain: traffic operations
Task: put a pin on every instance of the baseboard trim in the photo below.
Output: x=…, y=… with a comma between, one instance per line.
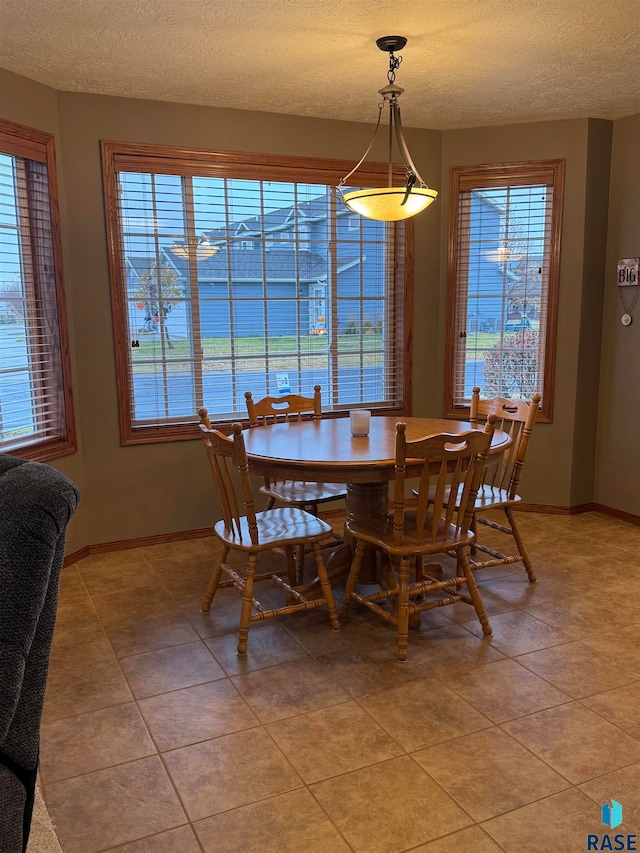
x=138, y=542
x=617, y=513
x=620, y=514
x=329, y=515
x=553, y=509
x=74, y=556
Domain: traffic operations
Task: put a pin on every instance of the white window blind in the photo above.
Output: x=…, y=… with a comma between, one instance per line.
x=36, y=411
x=228, y=284
x=503, y=280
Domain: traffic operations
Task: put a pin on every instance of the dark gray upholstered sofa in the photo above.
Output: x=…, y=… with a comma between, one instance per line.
x=36, y=503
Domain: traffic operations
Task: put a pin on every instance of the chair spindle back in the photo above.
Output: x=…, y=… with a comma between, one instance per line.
x=453, y=464
x=226, y=453
x=515, y=417
x=288, y=407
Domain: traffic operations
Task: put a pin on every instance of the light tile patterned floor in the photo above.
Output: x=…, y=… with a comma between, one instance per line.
x=158, y=738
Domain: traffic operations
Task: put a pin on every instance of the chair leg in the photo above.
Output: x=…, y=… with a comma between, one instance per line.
x=270, y=502
x=419, y=573
x=292, y=568
x=352, y=580
x=474, y=594
x=213, y=583
x=299, y=564
x=403, y=610
x=245, y=612
x=474, y=529
x=327, y=592
x=520, y=544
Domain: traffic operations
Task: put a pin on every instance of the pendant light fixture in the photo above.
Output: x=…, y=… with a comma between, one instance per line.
x=203, y=248
x=390, y=203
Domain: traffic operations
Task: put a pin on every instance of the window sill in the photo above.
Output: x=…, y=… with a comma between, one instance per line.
x=44, y=452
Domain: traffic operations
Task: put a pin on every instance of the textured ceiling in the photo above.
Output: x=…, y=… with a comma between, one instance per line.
x=467, y=62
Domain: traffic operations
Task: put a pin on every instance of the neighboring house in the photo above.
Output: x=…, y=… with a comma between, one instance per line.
x=486, y=273
x=501, y=286
x=297, y=273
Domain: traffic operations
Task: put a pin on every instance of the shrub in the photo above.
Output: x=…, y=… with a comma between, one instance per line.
x=511, y=366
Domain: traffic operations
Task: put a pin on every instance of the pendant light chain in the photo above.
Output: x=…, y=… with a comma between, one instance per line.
x=394, y=64
x=628, y=309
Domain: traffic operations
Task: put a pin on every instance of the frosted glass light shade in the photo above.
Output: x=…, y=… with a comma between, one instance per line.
x=204, y=250
x=385, y=203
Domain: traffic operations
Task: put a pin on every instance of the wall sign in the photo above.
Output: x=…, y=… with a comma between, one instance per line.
x=628, y=276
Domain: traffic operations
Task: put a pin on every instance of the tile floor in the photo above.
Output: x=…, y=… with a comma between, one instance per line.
x=157, y=738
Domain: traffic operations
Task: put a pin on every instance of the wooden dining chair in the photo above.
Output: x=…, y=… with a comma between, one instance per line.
x=288, y=408
x=500, y=480
x=281, y=530
x=435, y=526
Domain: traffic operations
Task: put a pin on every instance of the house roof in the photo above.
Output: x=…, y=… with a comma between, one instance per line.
x=311, y=210
x=246, y=264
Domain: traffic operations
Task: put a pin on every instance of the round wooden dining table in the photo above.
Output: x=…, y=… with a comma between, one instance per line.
x=324, y=451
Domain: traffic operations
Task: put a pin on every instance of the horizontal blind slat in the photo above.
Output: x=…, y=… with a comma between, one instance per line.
x=233, y=285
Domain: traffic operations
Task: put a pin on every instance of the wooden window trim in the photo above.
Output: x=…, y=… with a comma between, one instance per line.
x=501, y=174
x=163, y=159
x=33, y=144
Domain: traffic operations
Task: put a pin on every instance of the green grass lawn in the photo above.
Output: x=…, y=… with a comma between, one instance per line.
x=479, y=342
x=313, y=348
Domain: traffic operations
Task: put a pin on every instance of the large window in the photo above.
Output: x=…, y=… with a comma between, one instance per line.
x=502, y=290
x=36, y=409
x=235, y=272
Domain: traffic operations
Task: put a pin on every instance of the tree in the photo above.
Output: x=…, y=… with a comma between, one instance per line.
x=159, y=291
x=524, y=288
x=511, y=367
x=523, y=273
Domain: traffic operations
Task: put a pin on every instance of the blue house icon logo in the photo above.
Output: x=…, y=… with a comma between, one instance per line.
x=612, y=814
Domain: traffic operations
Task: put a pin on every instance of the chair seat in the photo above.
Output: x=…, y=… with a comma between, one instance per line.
x=448, y=536
x=299, y=492
x=276, y=528
x=489, y=497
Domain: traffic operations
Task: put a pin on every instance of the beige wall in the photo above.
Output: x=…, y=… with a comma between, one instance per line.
x=593, y=277
x=138, y=491
x=552, y=475
x=618, y=450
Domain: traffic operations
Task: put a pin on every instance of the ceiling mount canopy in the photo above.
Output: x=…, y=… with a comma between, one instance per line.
x=389, y=204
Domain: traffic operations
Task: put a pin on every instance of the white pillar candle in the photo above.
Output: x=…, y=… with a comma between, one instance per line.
x=360, y=421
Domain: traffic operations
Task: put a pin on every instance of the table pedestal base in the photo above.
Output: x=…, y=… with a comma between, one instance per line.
x=368, y=501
